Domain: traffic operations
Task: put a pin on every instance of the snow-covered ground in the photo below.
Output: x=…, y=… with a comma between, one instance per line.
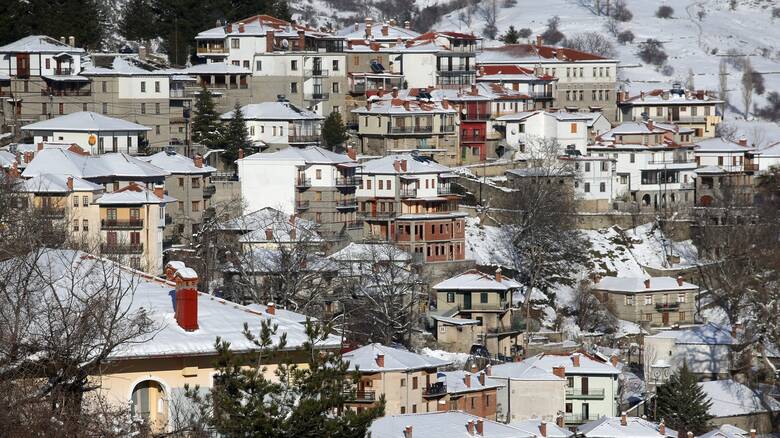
x=458, y=359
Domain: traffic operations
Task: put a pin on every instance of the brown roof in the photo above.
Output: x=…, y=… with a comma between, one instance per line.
x=548, y=52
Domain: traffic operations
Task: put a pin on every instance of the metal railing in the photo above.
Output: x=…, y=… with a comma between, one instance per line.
x=580, y=418
x=409, y=129
x=540, y=95
x=444, y=190
x=448, y=128
x=380, y=214
x=224, y=176
x=667, y=306
x=596, y=393
x=56, y=92
x=478, y=138
x=346, y=181
x=354, y=225
x=116, y=248
x=434, y=389
x=672, y=161
x=316, y=72
x=217, y=50
x=502, y=305
x=303, y=138
x=410, y=192
x=303, y=182
x=360, y=396
x=346, y=203
x=121, y=224
x=51, y=212
x=472, y=116
x=316, y=96
x=302, y=205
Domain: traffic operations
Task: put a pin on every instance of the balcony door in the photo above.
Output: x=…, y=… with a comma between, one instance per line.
x=585, y=412
x=23, y=65
x=665, y=318
x=467, y=300
x=584, y=385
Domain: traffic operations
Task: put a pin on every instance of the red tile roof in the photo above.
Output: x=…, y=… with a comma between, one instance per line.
x=548, y=52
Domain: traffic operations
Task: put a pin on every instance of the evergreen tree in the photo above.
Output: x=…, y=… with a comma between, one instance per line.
x=512, y=36
x=205, y=122
x=334, y=132
x=234, y=135
x=138, y=21
x=682, y=404
x=299, y=402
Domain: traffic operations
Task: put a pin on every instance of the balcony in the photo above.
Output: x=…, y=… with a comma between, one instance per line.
x=316, y=72
x=472, y=138
x=448, y=128
x=672, y=161
x=316, y=96
x=346, y=204
x=303, y=138
x=360, y=396
x=750, y=167
x=121, y=224
x=61, y=92
x=580, y=418
x=51, y=212
x=444, y=189
x=117, y=248
x=369, y=215
x=490, y=307
x=177, y=93
x=410, y=129
x=408, y=192
x=209, y=191
x=302, y=183
x=213, y=51
x=541, y=95
x=354, y=225
x=472, y=116
x=590, y=394
x=346, y=181
x=667, y=307
x=302, y=205
x=435, y=389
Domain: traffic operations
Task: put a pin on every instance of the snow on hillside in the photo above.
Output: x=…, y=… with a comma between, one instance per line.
x=691, y=44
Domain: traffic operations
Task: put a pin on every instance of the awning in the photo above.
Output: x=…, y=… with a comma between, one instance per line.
x=66, y=78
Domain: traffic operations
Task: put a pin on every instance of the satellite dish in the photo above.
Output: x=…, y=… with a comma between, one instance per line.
x=285, y=44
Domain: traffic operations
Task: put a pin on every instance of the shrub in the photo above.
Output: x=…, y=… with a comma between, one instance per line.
x=508, y=3
x=621, y=12
x=652, y=52
x=524, y=32
x=664, y=12
x=667, y=70
x=625, y=37
x=775, y=12
x=772, y=109
x=552, y=35
x=758, y=83
x=613, y=27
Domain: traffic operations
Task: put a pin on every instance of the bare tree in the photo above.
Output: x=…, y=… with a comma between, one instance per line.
x=591, y=42
x=748, y=86
x=723, y=85
x=591, y=313
x=488, y=10
x=689, y=82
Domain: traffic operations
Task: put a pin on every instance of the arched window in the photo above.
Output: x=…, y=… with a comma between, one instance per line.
x=150, y=401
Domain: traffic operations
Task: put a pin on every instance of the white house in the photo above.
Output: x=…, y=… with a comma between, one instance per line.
x=528, y=391
x=93, y=132
x=277, y=125
x=728, y=155
x=707, y=349
x=40, y=55
x=445, y=424
x=738, y=405
x=573, y=131
x=768, y=157
x=439, y=59
x=597, y=183
x=625, y=427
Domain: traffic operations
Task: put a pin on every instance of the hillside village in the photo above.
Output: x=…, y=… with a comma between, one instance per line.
x=318, y=224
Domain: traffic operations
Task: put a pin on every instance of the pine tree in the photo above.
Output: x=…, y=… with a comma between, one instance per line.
x=512, y=36
x=138, y=21
x=298, y=402
x=205, y=123
x=234, y=135
x=682, y=404
x=334, y=132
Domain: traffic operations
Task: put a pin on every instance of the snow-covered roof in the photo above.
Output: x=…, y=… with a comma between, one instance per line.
x=509, y=53
x=587, y=364
x=91, y=166
x=532, y=426
x=274, y=111
x=307, y=155
x=176, y=163
x=772, y=150
x=365, y=359
x=732, y=399
x=612, y=427
x=415, y=164
x=671, y=97
x=256, y=220
x=720, y=144
x=257, y=26
x=216, y=317
x=631, y=128
x=477, y=280
x=522, y=371
x=640, y=285
x=123, y=66
x=215, y=68
x=455, y=321
x=7, y=159
x=708, y=334
x=57, y=183
x=713, y=170
x=726, y=431
x=268, y=260
x=393, y=33
x=441, y=424
x=456, y=382
x=133, y=194
x=39, y=44
x=398, y=106
x=84, y=121
x=370, y=252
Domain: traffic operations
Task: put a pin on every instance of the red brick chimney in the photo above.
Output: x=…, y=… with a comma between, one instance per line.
x=385, y=30
x=70, y=183
x=395, y=93
x=680, y=280
x=543, y=429
x=368, y=105
x=742, y=142
x=380, y=360
x=380, y=92
x=538, y=41
x=408, y=432
x=482, y=378
x=406, y=105
x=650, y=125
x=614, y=360
x=623, y=419
x=301, y=40
x=198, y=160
x=467, y=380
x=470, y=427
x=499, y=277
x=575, y=359
x=269, y=41
x=407, y=24
x=240, y=27
x=560, y=372
x=40, y=146
x=481, y=426
x=269, y=234
x=241, y=153
x=689, y=435
x=171, y=268
x=352, y=153
x=647, y=283
x=488, y=370
x=271, y=308
x=662, y=428
x=397, y=165
x=403, y=165
x=560, y=421
x=187, y=299
x=230, y=28
x=752, y=433
x=159, y=191
x=474, y=91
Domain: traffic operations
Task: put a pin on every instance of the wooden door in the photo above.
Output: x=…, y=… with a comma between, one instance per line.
x=23, y=65
x=467, y=300
x=665, y=318
x=584, y=385
x=675, y=113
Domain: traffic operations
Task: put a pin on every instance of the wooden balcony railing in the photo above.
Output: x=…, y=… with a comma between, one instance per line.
x=121, y=224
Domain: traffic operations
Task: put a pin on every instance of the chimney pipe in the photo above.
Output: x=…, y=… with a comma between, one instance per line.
x=408, y=432
x=385, y=30
x=70, y=183
x=269, y=234
x=647, y=283
x=187, y=299
x=357, y=27
x=230, y=28
x=543, y=429
x=403, y=165
x=271, y=308
x=575, y=359
x=40, y=146
x=538, y=41
x=623, y=419
x=614, y=360
x=560, y=421
x=407, y=24
x=488, y=370
x=269, y=41
x=470, y=427
x=467, y=380
x=650, y=125
x=241, y=153
x=171, y=268
x=352, y=153
x=499, y=278
x=560, y=372
x=662, y=428
x=752, y=433
x=380, y=360
x=481, y=426
x=482, y=378
x=198, y=161
x=742, y=142
x=690, y=435
x=72, y=41
x=159, y=191
x=395, y=92
x=680, y=280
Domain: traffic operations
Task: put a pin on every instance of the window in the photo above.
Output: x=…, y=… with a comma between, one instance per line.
x=157, y=108
x=573, y=128
x=479, y=321
x=235, y=43
x=570, y=382
x=195, y=183
x=587, y=167
x=414, y=407
x=62, y=108
x=143, y=108
x=84, y=225
x=582, y=95
x=85, y=201
x=403, y=383
x=195, y=206
x=629, y=300
x=680, y=298
x=381, y=184
x=389, y=184
x=403, y=408
x=450, y=297
x=694, y=111
x=368, y=184
x=181, y=182
x=43, y=108
x=157, y=129
x=143, y=86
x=602, y=187
x=258, y=65
x=483, y=297
x=105, y=106
x=246, y=64
x=84, y=106
x=587, y=187
x=335, y=65
x=335, y=87
x=318, y=217
x=648, y=300
x=75, y=224
x=632, y=158
x=414, y=382
x=103, y=86
x=318, y=174
x=293, y=87
x=156, y=86
x=294, y=65
x=569, y=408
x=114, y=144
